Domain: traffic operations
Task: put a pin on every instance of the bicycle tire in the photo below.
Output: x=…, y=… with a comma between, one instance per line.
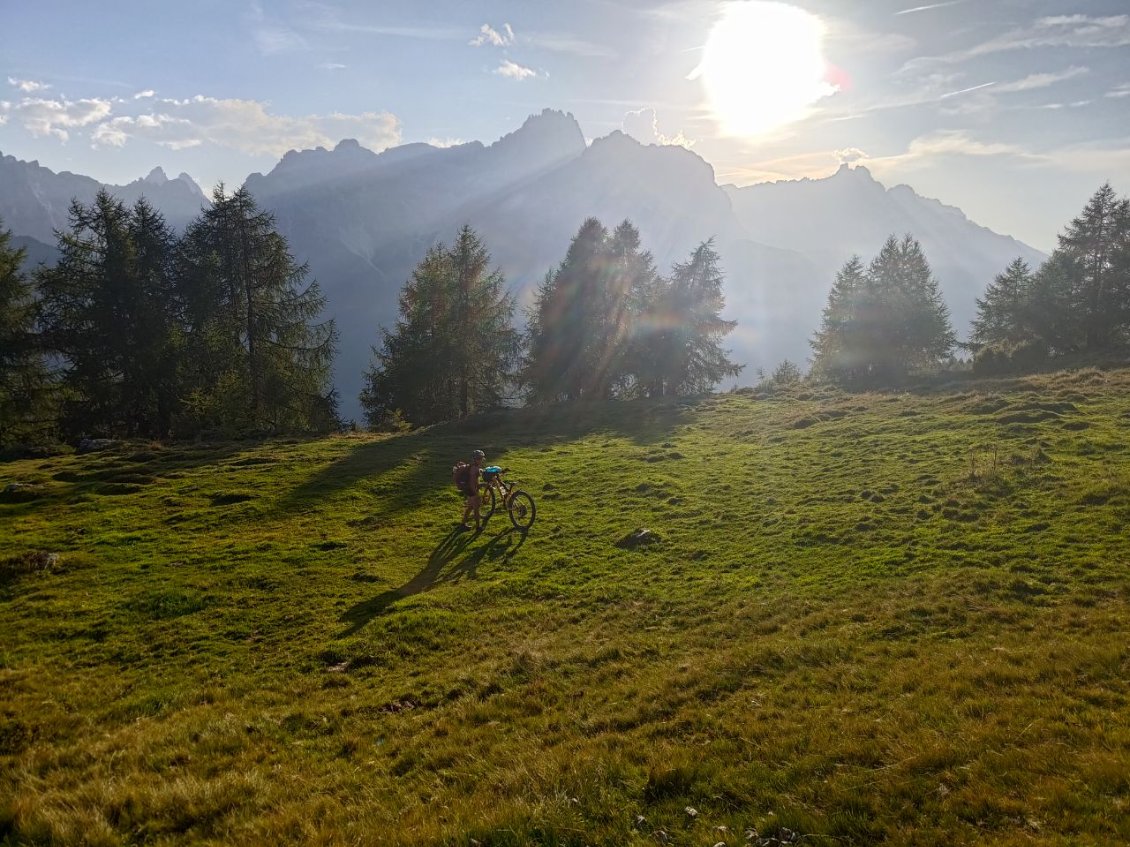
x=486, y=502
x=522, y=510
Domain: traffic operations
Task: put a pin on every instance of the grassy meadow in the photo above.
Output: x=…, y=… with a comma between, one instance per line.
x=866, y=619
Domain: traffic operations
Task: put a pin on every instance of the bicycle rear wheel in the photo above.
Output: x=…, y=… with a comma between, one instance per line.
x=486, y=502
x=522, y=510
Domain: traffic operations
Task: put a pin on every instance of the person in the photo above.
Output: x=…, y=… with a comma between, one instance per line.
x=470, y=488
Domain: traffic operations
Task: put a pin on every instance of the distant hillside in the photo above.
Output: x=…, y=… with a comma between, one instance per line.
x=829, y=220
x=34, y=200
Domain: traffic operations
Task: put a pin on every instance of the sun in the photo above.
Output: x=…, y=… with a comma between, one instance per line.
x=763, y=66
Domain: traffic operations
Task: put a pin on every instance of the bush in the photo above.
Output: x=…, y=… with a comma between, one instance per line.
x=1005, y=358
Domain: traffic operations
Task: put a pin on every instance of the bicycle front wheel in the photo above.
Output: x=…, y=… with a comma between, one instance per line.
x=522, y=510
x=486, y=502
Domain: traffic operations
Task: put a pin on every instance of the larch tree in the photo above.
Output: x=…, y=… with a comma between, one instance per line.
x=259, y=352
x=24, y=385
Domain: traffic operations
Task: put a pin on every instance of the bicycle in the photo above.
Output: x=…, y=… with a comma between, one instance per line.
x=519, y=504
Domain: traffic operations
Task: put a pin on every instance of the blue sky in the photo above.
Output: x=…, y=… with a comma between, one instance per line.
x=1013, y=110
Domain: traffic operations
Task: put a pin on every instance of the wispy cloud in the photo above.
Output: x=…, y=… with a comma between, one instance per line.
x=245, y=125
x=930, y=7
x=568, y=44
x=272, y=37
x=331, y=66
x=1079, y=31
x=59, y=117
x=28, y=86
x=144, y=95
x=1042, y=80
x=488, y=36
x=1119, y=91
x=512, y=70
x=643, y=125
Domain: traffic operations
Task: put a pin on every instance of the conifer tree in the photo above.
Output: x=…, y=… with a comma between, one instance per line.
x=1097, y=241
x=838, y=353
x=1002, y=314
x=106, y=313
x=691, y=357
x=258, y=357
x=567, y=324
x=23, y=374
x=886, y=323
x=453, y=350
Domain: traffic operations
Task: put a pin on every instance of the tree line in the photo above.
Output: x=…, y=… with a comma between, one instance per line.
x=885, y=321
x=136, y=332
x=604, y=324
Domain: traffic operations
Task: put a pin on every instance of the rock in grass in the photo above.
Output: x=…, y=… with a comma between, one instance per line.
x=92, y=445
x=638, y=538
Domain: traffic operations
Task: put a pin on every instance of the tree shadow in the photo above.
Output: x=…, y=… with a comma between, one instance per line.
x=403, y=471
x=500, y=547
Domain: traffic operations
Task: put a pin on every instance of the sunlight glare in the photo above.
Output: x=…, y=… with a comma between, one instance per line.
x=763, y=66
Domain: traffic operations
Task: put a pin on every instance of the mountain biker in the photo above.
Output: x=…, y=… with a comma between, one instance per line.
x=470, y=487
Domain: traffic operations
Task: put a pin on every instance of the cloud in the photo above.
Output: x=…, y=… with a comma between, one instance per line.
x=246, y=126
x=272, y=38
x=849, y=155
x=568, y=44
x=1080, y=31
x=144, y=95
x=28, y=86
x=445, y=142
x=512, y=70
x=331, y=66
x=492, y=37
x=1119, y=91
x=643, y=125
x=1043, y=80
x=59, y=118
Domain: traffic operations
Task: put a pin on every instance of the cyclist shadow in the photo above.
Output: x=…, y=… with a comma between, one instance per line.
x=500, y=547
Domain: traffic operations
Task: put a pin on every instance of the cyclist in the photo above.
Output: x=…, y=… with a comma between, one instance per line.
x=469, y=486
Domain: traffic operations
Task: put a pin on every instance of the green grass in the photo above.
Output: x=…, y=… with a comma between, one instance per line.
x=895, y=619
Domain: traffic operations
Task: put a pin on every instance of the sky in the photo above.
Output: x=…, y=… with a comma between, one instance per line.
x=1015, y=111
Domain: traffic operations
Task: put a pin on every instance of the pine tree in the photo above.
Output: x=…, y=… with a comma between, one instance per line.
x=106, y=313
x=838, y=353
x=23, y=374
x=1097, y=241
x=259, y=357
x=565, y=328
x=691, y=357
x=886, y=323
x=453, y=350
x=1002, y=313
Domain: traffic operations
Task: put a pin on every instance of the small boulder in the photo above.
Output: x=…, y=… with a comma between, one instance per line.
x=638, y=538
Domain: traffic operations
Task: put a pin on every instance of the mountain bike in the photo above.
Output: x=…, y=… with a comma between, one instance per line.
x=518, y=504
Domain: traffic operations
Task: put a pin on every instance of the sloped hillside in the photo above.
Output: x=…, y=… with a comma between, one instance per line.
x=857, y=619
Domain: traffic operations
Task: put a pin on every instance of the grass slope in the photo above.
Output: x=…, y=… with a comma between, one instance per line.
x=870, y=619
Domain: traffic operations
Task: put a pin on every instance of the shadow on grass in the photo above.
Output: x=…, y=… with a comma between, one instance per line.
x=432, y=451
x=501, y=546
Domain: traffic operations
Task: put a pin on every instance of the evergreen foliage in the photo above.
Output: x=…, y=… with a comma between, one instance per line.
x=1077, y=302
x=453, y=351
x=256, y=357
x=106, y=316
x=605, y=324
x=23, y=376
x=883, y=323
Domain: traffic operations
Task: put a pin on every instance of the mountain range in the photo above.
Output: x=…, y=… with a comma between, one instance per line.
x=363, y=220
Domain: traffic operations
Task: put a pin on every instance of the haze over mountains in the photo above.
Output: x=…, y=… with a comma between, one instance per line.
x=363, y=220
